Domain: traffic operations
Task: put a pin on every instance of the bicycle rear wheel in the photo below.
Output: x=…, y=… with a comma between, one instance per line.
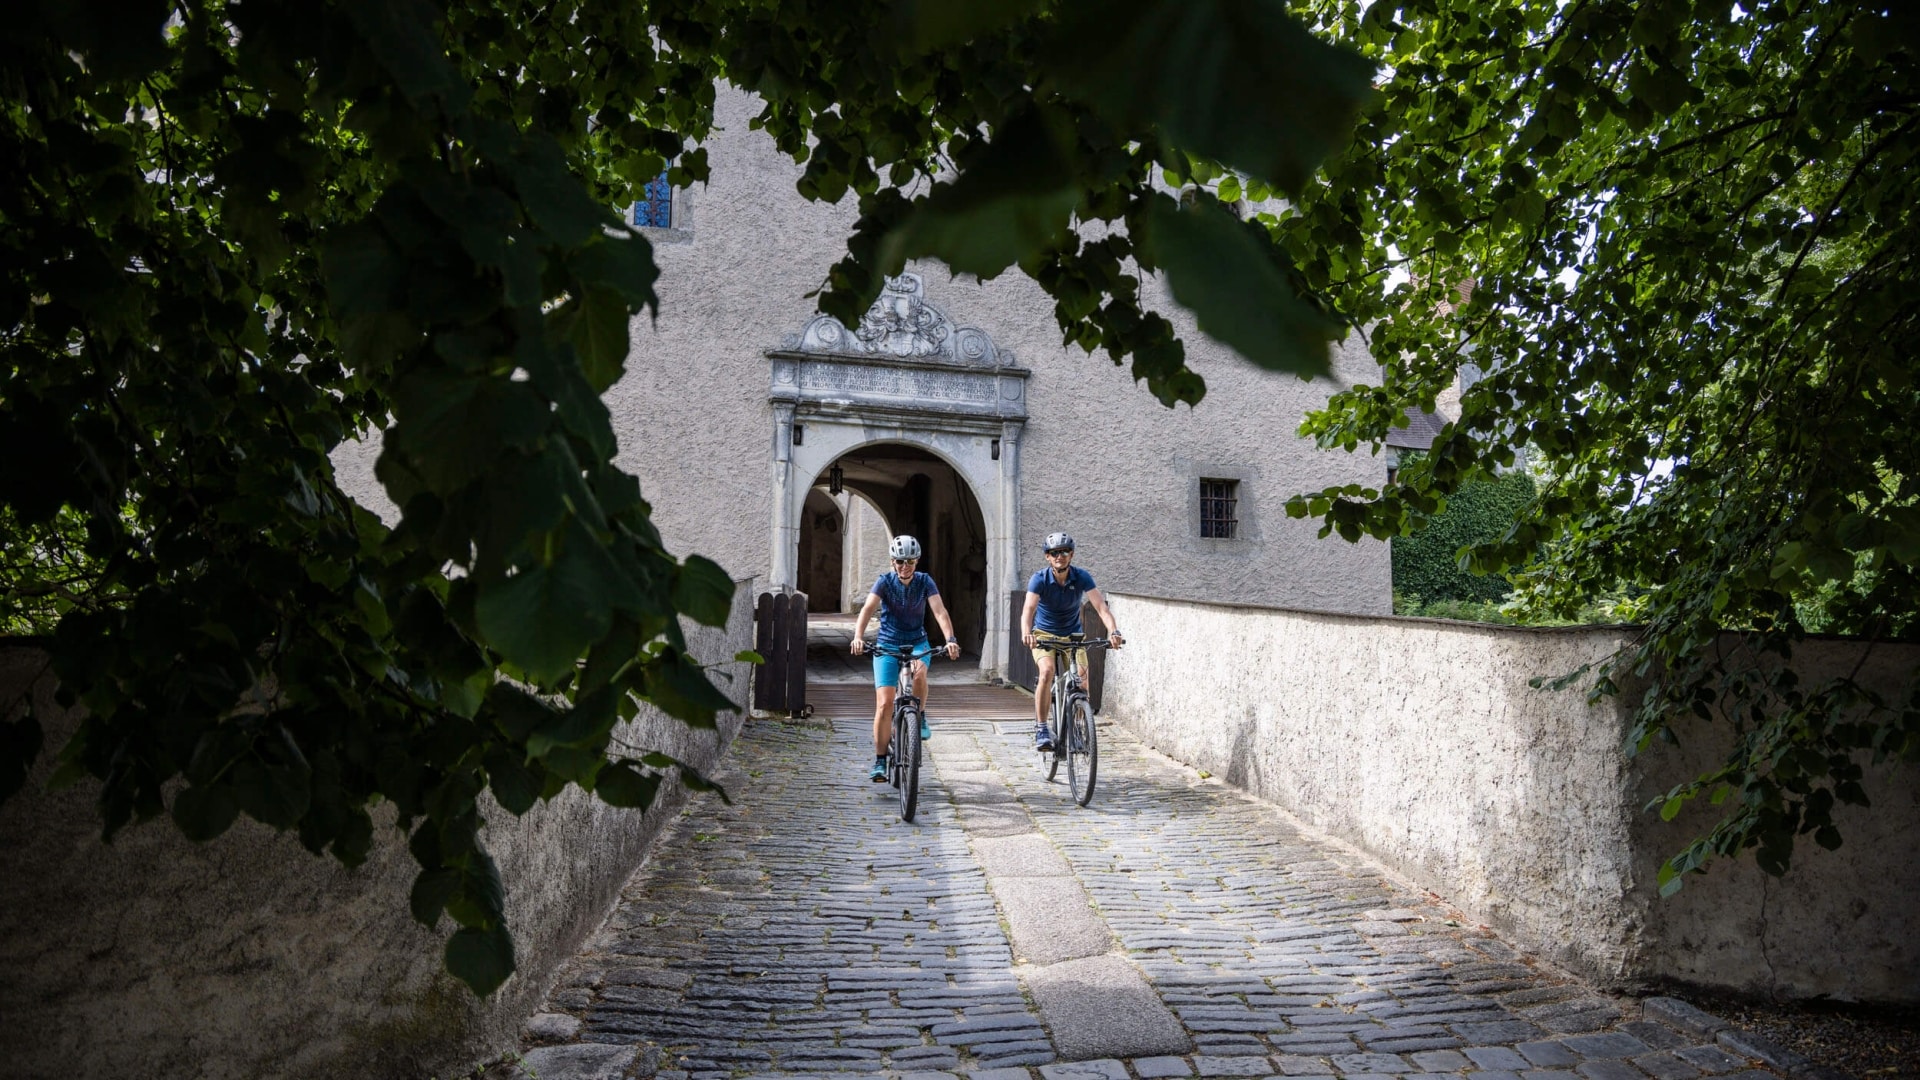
x=907, y=745
x=1083, y=749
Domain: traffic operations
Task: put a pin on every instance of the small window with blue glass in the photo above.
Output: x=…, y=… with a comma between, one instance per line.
x=655, y=208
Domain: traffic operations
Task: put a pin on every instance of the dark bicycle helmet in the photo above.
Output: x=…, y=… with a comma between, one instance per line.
x=1056, y=541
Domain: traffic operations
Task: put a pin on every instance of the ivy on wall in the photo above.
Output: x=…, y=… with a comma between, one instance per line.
x=1427, y=564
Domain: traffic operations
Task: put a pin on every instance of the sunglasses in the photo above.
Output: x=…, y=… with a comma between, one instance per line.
x=1061, y=551
x=905, y=562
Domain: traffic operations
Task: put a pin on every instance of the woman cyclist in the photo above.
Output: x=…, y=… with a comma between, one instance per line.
x=902, y=597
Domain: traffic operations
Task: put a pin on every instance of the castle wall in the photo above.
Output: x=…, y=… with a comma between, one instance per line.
x=1099, y=456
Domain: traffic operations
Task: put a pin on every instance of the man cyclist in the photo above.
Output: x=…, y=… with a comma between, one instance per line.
x=1055, y=595
x=902, y=597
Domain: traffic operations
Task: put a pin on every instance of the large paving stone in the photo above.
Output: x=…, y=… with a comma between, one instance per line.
x=1102, y=1007
x=975, y=788
x=1051, y=920
x=553, y=1026
x=996, y=819
x=1031, y=855
x=580, y=1061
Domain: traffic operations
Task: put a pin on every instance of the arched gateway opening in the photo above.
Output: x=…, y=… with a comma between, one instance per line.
x=822, y=552
x=888, y=489
x=923, y=419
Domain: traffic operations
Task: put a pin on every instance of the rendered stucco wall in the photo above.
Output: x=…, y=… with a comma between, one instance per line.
x=1099, y=457
x=1419, y=741
x=1842, y=923
x=248, y=958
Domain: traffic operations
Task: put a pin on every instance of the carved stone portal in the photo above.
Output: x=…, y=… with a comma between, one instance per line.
x=906, y=374
x=901, y=324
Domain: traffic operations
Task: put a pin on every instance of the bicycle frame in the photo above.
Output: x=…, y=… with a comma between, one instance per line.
x=903, y=750
x=1065, y=681
x=1065, y=678
x=903, y=686
x=1074, y=742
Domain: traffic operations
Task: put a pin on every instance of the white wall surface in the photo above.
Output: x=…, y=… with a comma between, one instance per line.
x=1419, y=741
x=1842, y=923
x=248, y=958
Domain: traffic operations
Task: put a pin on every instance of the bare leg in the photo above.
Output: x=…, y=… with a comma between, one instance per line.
x=1043, y=691
x=883, y=718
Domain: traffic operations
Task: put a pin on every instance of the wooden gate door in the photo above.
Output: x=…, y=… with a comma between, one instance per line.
x=780, y=637
x=1020, y=670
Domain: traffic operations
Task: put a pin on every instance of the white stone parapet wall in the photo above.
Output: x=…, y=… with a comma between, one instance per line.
x=1420, y=742
x=248, y=958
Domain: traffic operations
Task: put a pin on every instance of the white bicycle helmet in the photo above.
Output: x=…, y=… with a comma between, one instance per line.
x=904, y=547
x=1056, y=541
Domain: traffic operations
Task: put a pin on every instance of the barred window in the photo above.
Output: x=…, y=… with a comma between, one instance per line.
x=655, y=208
x=1218, y=502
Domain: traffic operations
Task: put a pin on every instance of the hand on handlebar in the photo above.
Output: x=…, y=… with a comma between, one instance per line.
x=953, y=650
x=1026, y=638
x=1115, y=640
x=859, y=645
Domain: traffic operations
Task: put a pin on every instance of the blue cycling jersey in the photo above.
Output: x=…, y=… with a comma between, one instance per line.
x=1059, y=611
x=903, y=607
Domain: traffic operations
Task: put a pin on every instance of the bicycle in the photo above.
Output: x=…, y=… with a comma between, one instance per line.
x=903, y=753
x=1076, y=741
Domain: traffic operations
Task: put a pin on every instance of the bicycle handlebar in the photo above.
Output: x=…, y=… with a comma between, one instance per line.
x=900, y=652
x=1070, y=646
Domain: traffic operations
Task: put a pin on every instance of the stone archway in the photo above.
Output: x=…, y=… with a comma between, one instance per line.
x=910, y=491
x=906, y=376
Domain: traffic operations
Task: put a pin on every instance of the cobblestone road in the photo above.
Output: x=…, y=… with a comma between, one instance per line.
x=1174, y=928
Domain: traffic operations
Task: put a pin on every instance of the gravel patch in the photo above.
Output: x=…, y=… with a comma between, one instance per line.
x=1870, y=1042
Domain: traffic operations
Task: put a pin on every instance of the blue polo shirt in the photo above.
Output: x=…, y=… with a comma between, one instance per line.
x=903, y=608
x=1060, y=604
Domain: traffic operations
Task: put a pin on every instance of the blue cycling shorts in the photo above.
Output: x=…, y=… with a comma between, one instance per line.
x=886, y=669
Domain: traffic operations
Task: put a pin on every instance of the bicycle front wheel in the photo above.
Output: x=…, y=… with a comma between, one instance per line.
x=893, y=749
x=1083, y=749
x=908, y=747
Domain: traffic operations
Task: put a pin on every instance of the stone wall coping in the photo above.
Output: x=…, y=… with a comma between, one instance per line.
x=1469, y=624
x=1412, y=620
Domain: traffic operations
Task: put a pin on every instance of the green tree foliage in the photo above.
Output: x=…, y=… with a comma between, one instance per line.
x=238, y=232
x=1694, y=240
x=1427, y=564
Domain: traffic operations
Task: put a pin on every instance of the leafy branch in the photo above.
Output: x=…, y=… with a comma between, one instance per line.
x=242, y=233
